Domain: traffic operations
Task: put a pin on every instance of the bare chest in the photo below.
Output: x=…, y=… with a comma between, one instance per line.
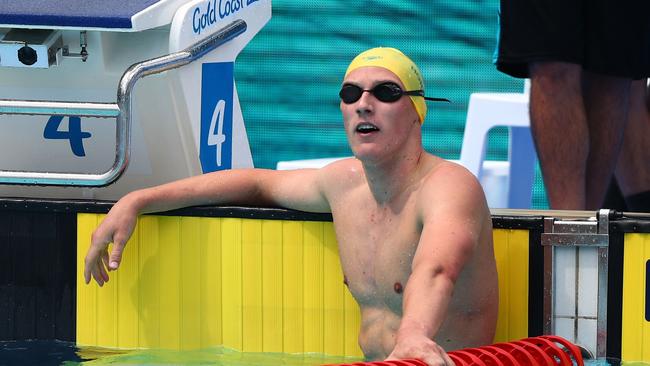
x=376, y=247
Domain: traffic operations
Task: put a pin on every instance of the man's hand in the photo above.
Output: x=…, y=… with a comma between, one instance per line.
x=116, y=228
x=420, y=347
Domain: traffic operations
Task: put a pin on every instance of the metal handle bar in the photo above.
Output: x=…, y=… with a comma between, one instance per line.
x=120, y=110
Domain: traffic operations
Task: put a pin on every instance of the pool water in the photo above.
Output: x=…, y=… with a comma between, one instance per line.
x=57, y=353
x=37, y=353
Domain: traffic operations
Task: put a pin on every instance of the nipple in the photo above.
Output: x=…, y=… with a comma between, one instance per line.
x=398, y=287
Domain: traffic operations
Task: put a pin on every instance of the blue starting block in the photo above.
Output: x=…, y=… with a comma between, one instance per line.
x=90, y=14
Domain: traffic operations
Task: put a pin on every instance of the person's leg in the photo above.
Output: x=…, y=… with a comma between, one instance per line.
x=559, y=128
x=633, y=167
x=617, y=36
x=606, y=104
x=614, y=198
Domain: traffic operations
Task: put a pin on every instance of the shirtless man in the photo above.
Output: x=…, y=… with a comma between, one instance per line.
x=414, y=230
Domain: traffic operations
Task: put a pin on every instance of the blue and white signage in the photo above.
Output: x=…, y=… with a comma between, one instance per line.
x=208, y=87
x=214, y=10
x=215, y=151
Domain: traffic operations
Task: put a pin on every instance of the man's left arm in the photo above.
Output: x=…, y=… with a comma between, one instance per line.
x=452, y=214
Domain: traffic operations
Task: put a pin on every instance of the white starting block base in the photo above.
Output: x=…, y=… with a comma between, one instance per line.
x=183, y=122
x=494, y=179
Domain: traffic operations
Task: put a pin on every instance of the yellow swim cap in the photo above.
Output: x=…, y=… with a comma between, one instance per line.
x=398, y=63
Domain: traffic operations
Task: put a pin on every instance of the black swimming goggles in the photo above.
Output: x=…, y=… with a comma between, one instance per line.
x=387, y=92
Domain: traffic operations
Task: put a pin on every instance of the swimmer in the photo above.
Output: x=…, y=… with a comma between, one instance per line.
x=414, y=231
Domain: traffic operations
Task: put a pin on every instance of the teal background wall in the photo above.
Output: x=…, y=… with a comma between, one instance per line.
x=288, y=77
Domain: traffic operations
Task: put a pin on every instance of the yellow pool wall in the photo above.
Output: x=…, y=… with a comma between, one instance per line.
x=248, y=284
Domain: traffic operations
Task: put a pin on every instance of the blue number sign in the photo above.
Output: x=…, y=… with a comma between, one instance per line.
x=215, y=150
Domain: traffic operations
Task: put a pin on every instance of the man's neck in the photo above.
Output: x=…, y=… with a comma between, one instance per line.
x=387, y=179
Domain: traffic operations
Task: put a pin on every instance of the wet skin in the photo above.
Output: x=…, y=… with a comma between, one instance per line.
x=377, y=258
x=379, y=221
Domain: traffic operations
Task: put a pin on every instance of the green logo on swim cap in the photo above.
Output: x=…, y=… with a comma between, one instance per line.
x=417, y=74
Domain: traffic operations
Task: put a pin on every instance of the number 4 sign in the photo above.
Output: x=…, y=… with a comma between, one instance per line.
x=73, y=134
x=216, y=116
x=215, y=133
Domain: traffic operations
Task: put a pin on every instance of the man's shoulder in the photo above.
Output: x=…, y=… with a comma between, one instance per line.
x=343, y=167
x=441, y=170
x=448, y=179
x=341, y=173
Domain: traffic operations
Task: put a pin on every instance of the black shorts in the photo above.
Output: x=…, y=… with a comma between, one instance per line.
x=604, y=36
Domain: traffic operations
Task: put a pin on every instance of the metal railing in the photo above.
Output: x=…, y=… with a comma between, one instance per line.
x=120, y=110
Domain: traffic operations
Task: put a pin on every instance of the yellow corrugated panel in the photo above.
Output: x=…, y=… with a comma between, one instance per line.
x=272, y=286
x=86, y=295
x=252, y=285
x=210, y=279
x=313, y=286
x=149, y=282
x=636, y=329
x=333, y=296
x=292, y=284
x=126, y=312
x=511, y=253
x=106, y=308
x=231, y=285
x=190, y=283
x=169, y=281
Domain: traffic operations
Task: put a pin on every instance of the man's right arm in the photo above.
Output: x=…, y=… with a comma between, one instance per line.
x=297, y=189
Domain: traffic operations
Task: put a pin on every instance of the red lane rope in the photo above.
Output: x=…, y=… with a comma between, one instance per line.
x=534, y=351
x=538, y=354
x=490, y=359
x=550, y=348
x=507, y=358
x=470, y=358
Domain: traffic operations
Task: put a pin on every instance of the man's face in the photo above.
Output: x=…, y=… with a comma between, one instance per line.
x=377, y=129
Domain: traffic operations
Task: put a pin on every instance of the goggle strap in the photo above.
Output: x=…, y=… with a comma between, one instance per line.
x=420, y=93
x=437, y=99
